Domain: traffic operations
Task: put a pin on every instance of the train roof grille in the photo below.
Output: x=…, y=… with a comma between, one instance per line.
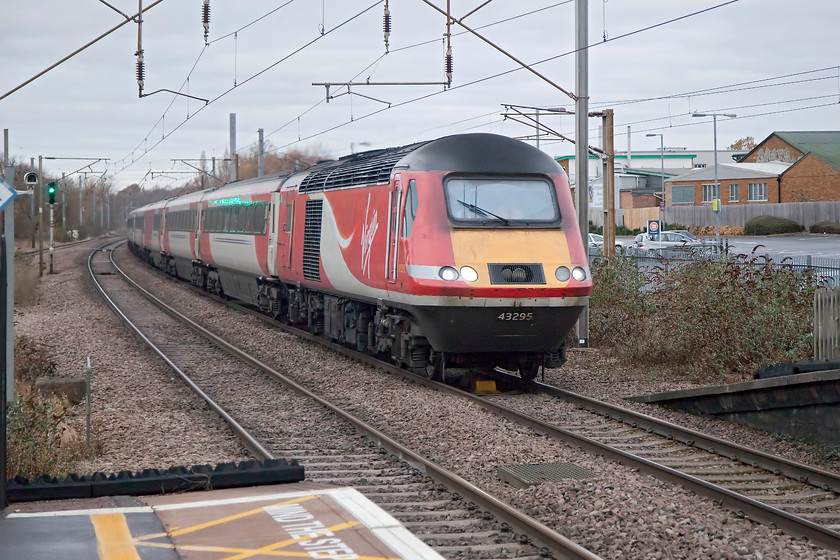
x=368, y=168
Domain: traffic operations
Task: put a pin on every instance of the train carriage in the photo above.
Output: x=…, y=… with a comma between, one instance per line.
x=147, y=231
x=458, y=252
x=233, y=236
x=179, y=239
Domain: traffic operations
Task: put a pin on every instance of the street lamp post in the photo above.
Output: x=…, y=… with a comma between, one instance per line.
x=661, y=169
x=716, y=205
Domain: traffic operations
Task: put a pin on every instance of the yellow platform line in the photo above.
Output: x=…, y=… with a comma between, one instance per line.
x=288, y=542
x=194, y=528
x=113, y=538
x=248, y=551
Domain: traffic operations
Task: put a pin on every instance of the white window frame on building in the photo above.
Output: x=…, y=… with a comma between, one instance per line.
x=733, y=192
x=757, y=192
x=709, y=192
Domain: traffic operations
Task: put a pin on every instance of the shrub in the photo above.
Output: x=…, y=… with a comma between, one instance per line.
x=31, y=361
x=624, y=230
x=731, y=230
x=618, y=305
x=826, y=227
x=769, y=225
x=619, y=230
x=709, y=231
x=705, y=320
x=38, y=442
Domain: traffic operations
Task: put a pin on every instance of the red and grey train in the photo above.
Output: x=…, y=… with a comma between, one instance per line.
x=461, y=252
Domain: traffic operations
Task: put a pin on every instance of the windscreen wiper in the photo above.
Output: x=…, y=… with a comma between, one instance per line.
x=482, y=212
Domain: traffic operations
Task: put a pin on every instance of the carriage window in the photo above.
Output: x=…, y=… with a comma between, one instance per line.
x=410, y=210
x=247, y=218
x=501, y=201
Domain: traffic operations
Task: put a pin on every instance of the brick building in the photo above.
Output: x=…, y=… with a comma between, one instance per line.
x=784, y=167
x=814, y=173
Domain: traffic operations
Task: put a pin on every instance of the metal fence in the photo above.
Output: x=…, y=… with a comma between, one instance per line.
x=827, y=269
x=805, y=214
x=827, y=324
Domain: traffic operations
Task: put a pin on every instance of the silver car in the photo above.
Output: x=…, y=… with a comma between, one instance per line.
x=665, y=240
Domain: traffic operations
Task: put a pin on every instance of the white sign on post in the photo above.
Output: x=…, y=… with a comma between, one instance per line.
x=6, y=194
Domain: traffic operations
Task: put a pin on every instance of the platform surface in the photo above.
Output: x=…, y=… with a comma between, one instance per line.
x=300, y=520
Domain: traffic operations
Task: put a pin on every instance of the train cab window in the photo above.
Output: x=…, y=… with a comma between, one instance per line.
x=411, y=204
x=501, y=201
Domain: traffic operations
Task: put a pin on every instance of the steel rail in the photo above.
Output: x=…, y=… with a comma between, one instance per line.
x=743, y=506
x=823, y=479
x=67, y=245
x=541, y=535
x=251, y=444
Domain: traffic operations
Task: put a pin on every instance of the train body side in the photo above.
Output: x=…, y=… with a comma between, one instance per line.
x=458, y=251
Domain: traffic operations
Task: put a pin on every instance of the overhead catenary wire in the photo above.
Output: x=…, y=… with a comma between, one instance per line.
x=77, y=51
x=297, y=119
x=261, y=72
x=420, y=98
x=507, y=72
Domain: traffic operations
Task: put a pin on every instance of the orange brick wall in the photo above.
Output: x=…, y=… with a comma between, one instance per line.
x=743, y=191
x=810, y=180
x=625, y=199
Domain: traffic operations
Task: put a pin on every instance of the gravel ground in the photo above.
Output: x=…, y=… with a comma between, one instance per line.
x=141, y=416
x=617, y=513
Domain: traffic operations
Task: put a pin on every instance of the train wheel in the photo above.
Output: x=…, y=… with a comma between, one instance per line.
x=434, y=369
x=529, y=368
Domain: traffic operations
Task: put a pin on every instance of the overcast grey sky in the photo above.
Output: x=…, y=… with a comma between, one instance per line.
x=773, y=62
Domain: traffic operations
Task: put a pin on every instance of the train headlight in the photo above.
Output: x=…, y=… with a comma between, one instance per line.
x=562, y=274
x=468, y=274
x=579, y=274
x=448, y=273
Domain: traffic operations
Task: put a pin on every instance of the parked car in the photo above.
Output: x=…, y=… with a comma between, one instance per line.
x=666, y=240
x=596, y=244
x=687, y=233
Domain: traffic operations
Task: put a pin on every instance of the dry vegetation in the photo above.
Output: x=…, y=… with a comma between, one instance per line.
x=38, y=441
x=704, y=321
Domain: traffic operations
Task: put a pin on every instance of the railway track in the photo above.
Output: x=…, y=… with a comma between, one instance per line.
x=451, y=515
x=58, y=246
x=796, y=498
x=799, y=499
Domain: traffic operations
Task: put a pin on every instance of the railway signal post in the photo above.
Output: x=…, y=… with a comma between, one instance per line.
x=51, y=192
